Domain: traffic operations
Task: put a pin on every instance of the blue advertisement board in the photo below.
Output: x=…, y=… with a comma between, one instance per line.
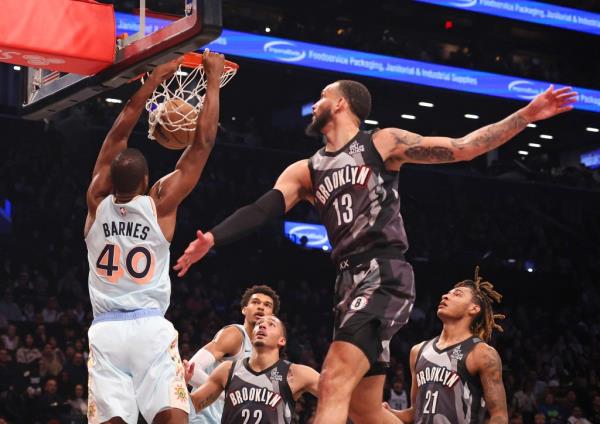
x=530, y=11
x=313, y=236
x=591, y=159
x=354, y=62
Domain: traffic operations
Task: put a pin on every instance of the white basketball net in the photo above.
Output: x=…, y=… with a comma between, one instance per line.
x=188, y=85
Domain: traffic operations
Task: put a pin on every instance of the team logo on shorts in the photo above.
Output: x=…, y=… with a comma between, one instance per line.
x=91, y=409
x=359, y=303
x=180, y=393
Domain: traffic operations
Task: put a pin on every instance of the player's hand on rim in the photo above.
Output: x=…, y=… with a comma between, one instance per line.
x=213, y=64
x=166, y=70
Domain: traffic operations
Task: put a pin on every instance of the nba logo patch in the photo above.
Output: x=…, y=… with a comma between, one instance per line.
x=359, y=303
x=123, y=211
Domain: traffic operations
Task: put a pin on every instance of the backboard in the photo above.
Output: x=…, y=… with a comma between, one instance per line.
x=171, y=28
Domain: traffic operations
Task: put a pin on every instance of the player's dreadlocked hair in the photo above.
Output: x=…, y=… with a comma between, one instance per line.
x=483, y=295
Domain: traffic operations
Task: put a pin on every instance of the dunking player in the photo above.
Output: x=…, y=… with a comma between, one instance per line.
x=231, y=343
x=353, y=183
x=453, y=373
x=134, y=361
x=262, y=388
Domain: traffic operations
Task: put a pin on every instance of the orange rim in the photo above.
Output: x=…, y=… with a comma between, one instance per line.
x=193, y=60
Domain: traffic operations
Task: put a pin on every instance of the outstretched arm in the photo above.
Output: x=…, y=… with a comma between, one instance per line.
x=302, y=379
x=212, y=389
x=116, y=139
x=400, y=146
x=228, y=341
x=293, y=185
x=169, y=191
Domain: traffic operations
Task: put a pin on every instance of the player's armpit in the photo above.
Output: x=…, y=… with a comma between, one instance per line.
x=309, y=378
x=295, y=184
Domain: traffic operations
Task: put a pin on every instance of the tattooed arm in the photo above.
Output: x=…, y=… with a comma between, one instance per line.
x=398, y=146
x=488, y=365
x=212, y=389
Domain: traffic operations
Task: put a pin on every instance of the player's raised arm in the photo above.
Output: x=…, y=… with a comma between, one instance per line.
x=293, y=185
x=400, y=146
x=116, y=139
x=212, y=389
x=226, y=342
x=170, y=190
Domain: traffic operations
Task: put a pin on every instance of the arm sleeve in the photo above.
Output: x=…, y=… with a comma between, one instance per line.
x=247, y=219
x=202, y=360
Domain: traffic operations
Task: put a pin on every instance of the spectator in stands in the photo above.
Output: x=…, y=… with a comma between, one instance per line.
x=50, y=405
x=524, y=402
x=551, y=410
x=11, y=340
x=9, y=308
x=28, y=353
x=577, y=416
x=51, y=363
x=51, y=312
x=78, y=403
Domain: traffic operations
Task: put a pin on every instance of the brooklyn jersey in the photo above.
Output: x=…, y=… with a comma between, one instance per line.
x=446, y=392
x=258, y=397
x=212, y=414
x=357, y=198
x=128, y=257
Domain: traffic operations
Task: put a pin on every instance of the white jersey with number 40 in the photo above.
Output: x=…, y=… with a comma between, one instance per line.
x=128, y=256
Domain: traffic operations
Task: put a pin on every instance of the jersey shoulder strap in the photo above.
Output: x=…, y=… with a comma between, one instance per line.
x=422, y=348
x=241, y=330
x=286, y=390
x=462, y=370
x=234, y=364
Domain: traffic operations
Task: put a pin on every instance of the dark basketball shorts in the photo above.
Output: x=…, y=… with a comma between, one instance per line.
x=374, y=295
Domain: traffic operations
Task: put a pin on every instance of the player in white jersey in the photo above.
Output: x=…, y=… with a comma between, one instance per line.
x=231, y=343
x=134, y=362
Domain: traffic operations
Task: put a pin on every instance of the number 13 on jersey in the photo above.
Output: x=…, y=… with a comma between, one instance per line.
x=139, y=264
x=343, y=209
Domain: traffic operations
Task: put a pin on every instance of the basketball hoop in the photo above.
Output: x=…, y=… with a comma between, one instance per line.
x=188, y=85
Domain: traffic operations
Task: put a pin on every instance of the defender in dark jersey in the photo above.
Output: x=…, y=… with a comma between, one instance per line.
x=353, y=182
x=260, y=389
x=231, y=343
x=457, y=376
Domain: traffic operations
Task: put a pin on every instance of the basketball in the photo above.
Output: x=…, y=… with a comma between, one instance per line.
x=176, y=125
